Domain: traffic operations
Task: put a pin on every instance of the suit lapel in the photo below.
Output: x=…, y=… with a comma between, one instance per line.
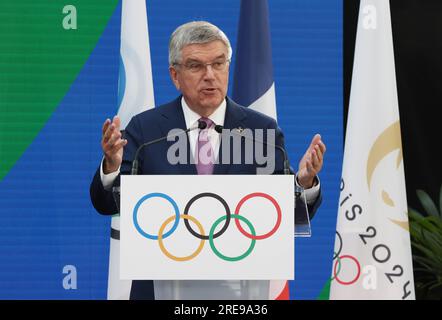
x=173, y=118
x=233, y=119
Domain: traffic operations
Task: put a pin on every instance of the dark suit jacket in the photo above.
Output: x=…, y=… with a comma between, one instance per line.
x=157, y=122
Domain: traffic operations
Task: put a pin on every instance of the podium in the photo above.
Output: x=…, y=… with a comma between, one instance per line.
x=194, y=285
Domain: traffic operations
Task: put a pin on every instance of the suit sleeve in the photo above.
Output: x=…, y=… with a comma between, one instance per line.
x=279, y=168
x=103, y=200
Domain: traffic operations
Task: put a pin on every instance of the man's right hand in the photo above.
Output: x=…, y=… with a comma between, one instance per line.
x=112, y=145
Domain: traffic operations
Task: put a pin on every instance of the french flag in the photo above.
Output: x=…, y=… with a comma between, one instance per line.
x=253, y=83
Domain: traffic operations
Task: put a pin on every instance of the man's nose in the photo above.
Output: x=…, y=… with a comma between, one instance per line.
x=209, y=73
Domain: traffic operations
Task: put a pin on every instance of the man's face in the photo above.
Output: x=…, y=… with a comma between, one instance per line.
x=203, y=86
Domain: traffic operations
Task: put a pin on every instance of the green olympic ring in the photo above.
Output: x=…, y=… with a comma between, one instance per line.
x=339, y=267
x=219, y=254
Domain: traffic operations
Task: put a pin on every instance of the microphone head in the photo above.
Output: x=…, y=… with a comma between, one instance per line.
x=219, y=128
x=202, y=125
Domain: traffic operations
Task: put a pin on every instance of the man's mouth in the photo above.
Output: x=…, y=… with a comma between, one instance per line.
x=208, y=90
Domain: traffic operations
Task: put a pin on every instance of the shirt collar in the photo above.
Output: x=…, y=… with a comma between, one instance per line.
x=191, y=117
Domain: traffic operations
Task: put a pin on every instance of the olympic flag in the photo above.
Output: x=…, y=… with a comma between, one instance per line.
x=372, y=250
x=135, y=94
x=206, y=231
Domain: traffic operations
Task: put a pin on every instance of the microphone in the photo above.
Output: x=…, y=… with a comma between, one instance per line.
x=239, y=130
x=134, y=171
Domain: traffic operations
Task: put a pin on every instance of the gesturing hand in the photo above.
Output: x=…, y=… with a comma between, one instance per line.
x=112, y=145
x=311, y=162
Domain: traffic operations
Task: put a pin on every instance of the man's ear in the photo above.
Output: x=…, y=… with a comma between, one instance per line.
x=174, y=76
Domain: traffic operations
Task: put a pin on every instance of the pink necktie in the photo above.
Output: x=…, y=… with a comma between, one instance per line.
x=204, y=156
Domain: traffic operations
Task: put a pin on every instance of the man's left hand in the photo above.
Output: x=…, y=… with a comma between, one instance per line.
x=311, y=162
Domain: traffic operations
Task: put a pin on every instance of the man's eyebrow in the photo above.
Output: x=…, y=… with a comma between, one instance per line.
x=199, y=61
x=193, y=60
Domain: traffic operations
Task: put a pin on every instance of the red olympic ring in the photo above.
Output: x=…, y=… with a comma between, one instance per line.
x=335, y=273
x=278, y=211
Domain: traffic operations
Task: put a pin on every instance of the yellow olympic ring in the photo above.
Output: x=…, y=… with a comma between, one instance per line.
x=167, y=253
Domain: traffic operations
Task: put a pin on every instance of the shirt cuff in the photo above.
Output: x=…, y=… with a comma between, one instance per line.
x=108, y=179
x=312, y=193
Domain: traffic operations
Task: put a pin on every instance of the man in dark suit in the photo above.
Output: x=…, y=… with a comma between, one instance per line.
x=199, y=59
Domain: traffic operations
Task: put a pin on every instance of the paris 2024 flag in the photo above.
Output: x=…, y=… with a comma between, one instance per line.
x=135, y=94
x=372, y=258
x=253, y=84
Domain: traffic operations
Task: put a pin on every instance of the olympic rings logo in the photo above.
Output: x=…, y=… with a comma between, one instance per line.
x=201, y=234
x=338, y=264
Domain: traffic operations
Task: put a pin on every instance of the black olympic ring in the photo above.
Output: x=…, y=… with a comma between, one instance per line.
x=223, y=202
x=336, y=255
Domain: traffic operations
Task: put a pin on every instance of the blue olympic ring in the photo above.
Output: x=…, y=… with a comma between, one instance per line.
x=156, y=195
